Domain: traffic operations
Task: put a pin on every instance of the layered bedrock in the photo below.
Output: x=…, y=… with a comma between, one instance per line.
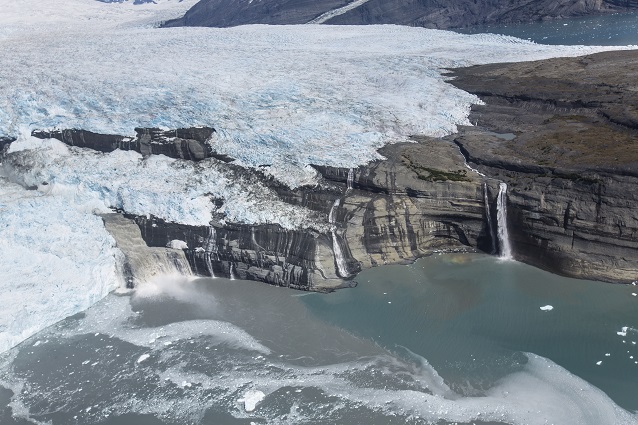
x=422, y=199
x=563, y=134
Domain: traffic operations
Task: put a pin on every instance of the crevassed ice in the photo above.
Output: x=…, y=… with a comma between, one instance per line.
x=174, y=190
x=55, y=261
x=281, y=97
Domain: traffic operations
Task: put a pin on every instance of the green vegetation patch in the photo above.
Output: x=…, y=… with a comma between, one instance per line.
x=435, y=175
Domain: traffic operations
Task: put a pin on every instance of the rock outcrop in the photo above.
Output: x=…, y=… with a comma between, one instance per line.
x=563, y=134
x=420, y=200
x=424, y=13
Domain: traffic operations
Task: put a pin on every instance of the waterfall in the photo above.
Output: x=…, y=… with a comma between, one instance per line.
x=230, y=270
x=141, y=262
x=350, y=180
x=342, y=269
x=209, y=247
x=501, y=214
x=488, y=217
x=331, y=216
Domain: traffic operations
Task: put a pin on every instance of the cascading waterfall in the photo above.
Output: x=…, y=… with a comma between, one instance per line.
x=350, y=180
x=209, y=248
x=501, y=215
x=488, y=217
x=143, y=263
x=231, y=268
x=336, y=248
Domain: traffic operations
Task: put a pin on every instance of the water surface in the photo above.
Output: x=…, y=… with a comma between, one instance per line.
x=449, y=339
x=605, y=30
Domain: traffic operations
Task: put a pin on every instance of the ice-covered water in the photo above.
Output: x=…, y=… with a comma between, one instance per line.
x=214, y=351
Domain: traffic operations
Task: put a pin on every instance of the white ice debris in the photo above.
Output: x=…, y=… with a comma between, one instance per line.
x=177, y=244
x=547, y=308
x=143, y=357
x=623, y=331
x=55, y=261
x=251, y=399
x=174, y=190
x=599, y=362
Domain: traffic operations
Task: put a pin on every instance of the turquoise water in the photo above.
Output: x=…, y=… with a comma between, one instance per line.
x=449, y=339
x=474, y=315
x=606, y=30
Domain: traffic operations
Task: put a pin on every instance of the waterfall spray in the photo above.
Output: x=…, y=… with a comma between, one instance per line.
x=209, y=248
x=501, y=214
x=350, y=180
x=336, y=248
x=488, y=217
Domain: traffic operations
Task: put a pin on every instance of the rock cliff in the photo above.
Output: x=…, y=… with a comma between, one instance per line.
x=420, y=200
x=563, y=134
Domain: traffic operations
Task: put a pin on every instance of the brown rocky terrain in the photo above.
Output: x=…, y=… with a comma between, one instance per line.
x=563, y=133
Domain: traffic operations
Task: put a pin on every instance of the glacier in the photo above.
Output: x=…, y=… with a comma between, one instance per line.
x=283, y=97
x=174, y=190
x=280, y=98
x=55, y=261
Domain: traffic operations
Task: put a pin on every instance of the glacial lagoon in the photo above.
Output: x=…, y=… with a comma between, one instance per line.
x=452, y=338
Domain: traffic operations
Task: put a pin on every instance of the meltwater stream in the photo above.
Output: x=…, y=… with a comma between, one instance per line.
x=449, y=339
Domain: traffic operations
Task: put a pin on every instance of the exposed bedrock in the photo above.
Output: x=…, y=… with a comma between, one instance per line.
x=425, y=13
x=562, y=133
x=388, y=212
x=182, y=143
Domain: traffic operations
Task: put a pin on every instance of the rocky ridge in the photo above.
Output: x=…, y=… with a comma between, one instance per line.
x=429, y=14
x=421, y=200
x=563, y=134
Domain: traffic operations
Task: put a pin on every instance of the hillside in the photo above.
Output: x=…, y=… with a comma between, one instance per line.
x=440, y=14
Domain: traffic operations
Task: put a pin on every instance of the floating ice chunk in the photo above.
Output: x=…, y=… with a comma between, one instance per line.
x=547, y=308
x=177, y=244
x=251, y=399
x=623, y=331
x=37, y=343
x=634, y=294
x=143, y=357
x=599, y=362
x=607, y=354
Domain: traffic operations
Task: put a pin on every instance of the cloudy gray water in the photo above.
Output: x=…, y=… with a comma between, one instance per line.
x=606, y=30
x=448, y=339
